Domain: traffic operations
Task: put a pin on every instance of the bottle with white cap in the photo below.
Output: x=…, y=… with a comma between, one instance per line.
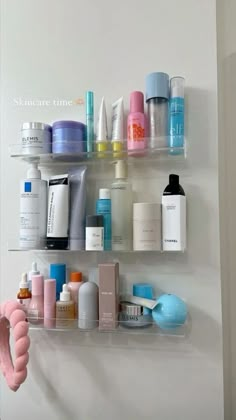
x=65, y=309
x=121, y=209
x=33, y=209
x=176, y=108
x=24, y=294
x=34, y=270
x=103, y=207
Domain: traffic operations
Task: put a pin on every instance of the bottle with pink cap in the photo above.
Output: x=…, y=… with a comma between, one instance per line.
x=35, y=310
x=136, y=123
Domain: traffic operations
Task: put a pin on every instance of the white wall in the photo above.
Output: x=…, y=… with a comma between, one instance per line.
x=58, y=49
x=226, y=37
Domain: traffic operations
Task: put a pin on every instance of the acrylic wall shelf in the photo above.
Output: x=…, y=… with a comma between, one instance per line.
x=55, y=159
x=179, y=331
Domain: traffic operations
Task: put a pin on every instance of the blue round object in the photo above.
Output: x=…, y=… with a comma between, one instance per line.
x=170, y=312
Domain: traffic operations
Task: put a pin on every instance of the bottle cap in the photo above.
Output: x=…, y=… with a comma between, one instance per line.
x=37, y=285
x=50, y=291
x=76, y=276
x=177, y=87
x=33, y=172
x=24, y=283
x=174, y=179
x=34, y=268
x=58, y=272
x=65, y=294
x=143, y=290
x=95, y=220
x=120, y=169
x=136, y=102
x=104, y=194
x=157, y=85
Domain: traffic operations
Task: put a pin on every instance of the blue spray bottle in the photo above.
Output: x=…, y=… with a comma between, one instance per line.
x=103, y=206
x=176, y=115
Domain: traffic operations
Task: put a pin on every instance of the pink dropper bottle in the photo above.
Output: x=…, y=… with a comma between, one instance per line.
x=35, y=310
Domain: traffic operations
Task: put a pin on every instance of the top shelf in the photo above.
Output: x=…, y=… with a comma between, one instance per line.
x=55, y=159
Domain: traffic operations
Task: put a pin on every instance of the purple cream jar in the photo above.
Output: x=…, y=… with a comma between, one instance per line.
x=68, y=137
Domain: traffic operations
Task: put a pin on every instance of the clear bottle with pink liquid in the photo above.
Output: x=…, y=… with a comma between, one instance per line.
x=36, y=309
x=136, y=124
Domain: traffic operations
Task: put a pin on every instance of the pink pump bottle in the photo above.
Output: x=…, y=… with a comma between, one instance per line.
x=136, y=123
x=50, y=303
x=35, y=310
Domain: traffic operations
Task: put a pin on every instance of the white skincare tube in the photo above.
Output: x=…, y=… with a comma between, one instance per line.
x=58, y=212
x=102, y=132
x=117, y=136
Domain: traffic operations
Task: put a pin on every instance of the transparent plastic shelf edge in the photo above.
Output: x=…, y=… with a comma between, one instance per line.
x=124, y=327
x=161, y=149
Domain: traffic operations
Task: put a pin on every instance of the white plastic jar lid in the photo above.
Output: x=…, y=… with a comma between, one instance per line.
x=146, y=211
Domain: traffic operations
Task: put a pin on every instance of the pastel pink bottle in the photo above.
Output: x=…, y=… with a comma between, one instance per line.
x=35, y=310
x=50, y=303
x=136, y=124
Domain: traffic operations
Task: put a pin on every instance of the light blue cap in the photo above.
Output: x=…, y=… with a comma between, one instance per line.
x=143, y=290
x=157, y=85
x=89, y=102
x=58, y=272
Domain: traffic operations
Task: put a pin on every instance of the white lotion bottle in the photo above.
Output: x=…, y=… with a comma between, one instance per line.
x=33, y=209
x=174, y=216
x=88, y=306
x=121, y=209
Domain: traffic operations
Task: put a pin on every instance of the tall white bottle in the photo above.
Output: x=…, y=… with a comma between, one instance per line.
x=121, y=209
x=33, y=209
x=88, y=306
x=174, y=216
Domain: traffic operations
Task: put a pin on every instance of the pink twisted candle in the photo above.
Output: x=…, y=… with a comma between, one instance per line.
x=12, y=315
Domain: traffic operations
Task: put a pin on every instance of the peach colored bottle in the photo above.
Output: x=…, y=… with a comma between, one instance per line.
x=73, y=286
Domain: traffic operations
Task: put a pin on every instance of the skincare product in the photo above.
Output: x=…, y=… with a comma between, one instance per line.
x=58, y=212
x=35, y=309
x=88, y=306
x=176, y=114
x=132, y=316
x=89, y=121
x=174, y=216
x=102, y=136
x=143, y=290
x=122, y=209
x=170, y=312
x=147, y=303
x=108, y=296
x=95, y=233
x=68, y=137
x=73, y=286
x=146, y=227
x=36, y=138
x=77, y=185
x=58, y=272
x=33, y=209
x=50, y=303
x=24, y=294
x=157, y=97
x=117, y=136
x=34, y=270
x=65, y=309
x=103, y=207
x=136, y=123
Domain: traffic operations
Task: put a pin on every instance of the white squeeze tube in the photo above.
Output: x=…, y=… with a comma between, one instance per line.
x=58, y=212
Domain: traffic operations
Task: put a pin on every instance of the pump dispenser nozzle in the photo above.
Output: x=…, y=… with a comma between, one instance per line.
x=33, y=171
x=120, y=169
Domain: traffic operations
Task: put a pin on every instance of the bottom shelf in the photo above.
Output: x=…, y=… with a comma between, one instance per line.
x=85, y=326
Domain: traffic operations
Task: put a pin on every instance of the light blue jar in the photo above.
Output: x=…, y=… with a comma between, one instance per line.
x=103, y=207
x=176, y=115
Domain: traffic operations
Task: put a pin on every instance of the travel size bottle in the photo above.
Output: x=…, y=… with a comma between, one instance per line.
x=65, y=309
x=102, y=134
x=103, y=207
x=88, y=306
x=24, y=294
x=157, y=97
x=136, y=123
x=36, y=308
x=122, y=209
x=33, y=209
x=176, y=115
x=76, y=280
x=174, y=216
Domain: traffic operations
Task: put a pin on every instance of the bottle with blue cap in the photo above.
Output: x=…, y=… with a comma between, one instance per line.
x=58, y=272
x=157, y=98
x=176, y=115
